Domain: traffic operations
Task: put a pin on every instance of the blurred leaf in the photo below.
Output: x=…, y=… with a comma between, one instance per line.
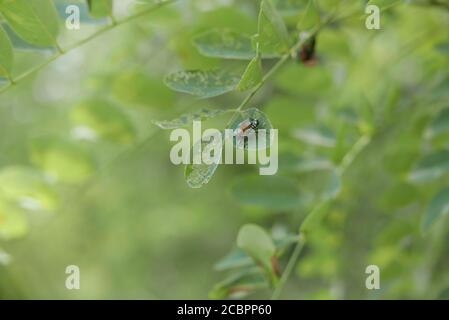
x=5, y=258
x=252, y=76
x=272, y=33
x=399, y=195
x=439, y=124
x=237, y=258
x=197, y=175
x=443, y=47
x=257, y=244
x=314, y=218
x=106, y=119
x=27, y=188
x=36, y=21
x=13, y=222
x=239, y=284
x=188, y=118
x=205, y=84
x=320, y=136
x=225, y=44
x=100, y=8
x=263, y=123
x=438, y=207
x=6, y=54
x=274, y=192
x=431, y=166
x=62, y=159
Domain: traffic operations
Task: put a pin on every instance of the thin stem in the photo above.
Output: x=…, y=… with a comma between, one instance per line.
x=61, y=51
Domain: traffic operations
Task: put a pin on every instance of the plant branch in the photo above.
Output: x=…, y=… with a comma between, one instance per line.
x=61, y=51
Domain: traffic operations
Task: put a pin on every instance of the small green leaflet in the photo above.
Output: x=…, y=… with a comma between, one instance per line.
x=225, y=44
x=204, y=84
x=186, y=119
x=199, y=174
x=35, y=21
x=100, y=8
x=257, y=244
x=252, y=75
x=272, y=32
x=431, y=167
x=6, y=54
x=438, y=207
x=105, y=119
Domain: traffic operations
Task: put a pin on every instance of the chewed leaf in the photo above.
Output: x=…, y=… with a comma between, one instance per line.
x=6, y=54
x=204, y=84
x=431, y=167
x=186, y=119
x=273, y=192
x=205, y=161
x=13, y=223
x=35, y=21
x=252, y=75
x=226, y=44
x=27, y=188
x=257, y=244
x=321, y=136
x=438, y=207
x=250, y=139
x=272, y=32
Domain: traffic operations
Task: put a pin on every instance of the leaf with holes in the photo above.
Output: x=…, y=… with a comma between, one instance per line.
x=204, y=84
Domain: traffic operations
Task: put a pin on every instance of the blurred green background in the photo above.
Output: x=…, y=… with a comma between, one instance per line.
x=96, y=188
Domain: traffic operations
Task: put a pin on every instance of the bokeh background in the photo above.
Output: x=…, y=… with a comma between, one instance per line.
x=114, y=204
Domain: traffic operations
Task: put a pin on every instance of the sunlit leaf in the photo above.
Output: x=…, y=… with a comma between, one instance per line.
x=36, y=21
x=257, y=244
x=225, y=44
x=187, y=119
x=62, y=159
x=438, y=207
x=272, y=33
x=252, y=76
x=431, y=166
x=105, y=119
x=6, y=54
x=204, y=84
x=274, y=192
x=27, y=188
x=100, y=8
x=13, y=223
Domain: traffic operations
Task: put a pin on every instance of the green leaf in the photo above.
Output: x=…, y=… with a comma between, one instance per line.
x=100, y=8
x=197, y=175
x=273, y=192
x=204, y=84
x=257, y=244
x=239, y=284
x=320, y=136
x=27, y=188
x=237, y=258
x=438, y=207
x=62, y=159
x=225, y=44
x=252, y=76
x=5, y=258
x=105, y=119
x=439, y=124
x=186, y=119
x=35, y=21
x=13, y=223
x=6, y=54
x=263, y=123
x=272, y=33
x=430, y=167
